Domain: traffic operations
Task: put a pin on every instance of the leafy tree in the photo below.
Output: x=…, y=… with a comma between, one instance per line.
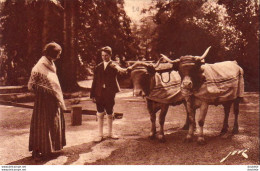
x=145, y=33
x=244, y=16
x=26, y=27
x=102, y=23
x=80, y=27
x=230, y=27
x=13, y=21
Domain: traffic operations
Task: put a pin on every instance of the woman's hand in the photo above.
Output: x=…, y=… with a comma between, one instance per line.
x=93, y=99
x=63, y=107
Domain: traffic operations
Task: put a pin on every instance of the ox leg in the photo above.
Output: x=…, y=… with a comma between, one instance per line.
x=153, y=126
x=236, y=112
x=187, y=122
x=202, y=116
x=186, y=125
x=227, y=107
x=163, y=113
x=152, y=108
x=191, y=114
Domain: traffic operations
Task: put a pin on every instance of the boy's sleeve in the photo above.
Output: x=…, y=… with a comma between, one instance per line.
x=120, y=70
x=92, y=92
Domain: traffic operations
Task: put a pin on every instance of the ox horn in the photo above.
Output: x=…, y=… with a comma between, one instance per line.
x=141, y=63
x=204, y=55
x=168, y=59
x=138, y=63
x=157, y=63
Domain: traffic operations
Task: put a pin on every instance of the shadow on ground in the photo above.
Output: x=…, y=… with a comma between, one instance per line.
x=72, y=154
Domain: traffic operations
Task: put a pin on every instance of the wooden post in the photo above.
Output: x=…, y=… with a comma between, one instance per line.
x=76, y=115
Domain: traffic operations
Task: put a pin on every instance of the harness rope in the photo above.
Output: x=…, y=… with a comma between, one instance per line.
x=160, y=71
x=163, y=71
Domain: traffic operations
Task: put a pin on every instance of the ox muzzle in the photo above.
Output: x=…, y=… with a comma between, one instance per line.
x=186, y=86
x=138, y=92
x=187, y=83
x=137, y=77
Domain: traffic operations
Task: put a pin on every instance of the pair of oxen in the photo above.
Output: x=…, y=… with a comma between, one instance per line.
x=196, y=80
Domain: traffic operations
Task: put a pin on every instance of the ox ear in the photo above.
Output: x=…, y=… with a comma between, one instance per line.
x=202, y=74
x=151, y=69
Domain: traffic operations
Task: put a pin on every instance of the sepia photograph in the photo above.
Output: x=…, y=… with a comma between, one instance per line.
x=153, y=84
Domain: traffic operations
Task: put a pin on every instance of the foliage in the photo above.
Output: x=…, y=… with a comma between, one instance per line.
x=145, y=34
x=23, y=36
x=174, y=27
x=244, y=16
x=81, y=27
x=104, y=23
x=13, y=27
x=230, y=27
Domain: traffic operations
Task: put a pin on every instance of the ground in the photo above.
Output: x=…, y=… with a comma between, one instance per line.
x=134, y=147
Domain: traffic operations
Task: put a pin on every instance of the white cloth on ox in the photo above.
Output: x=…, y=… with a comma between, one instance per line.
x=224, y=81
x=163, y=91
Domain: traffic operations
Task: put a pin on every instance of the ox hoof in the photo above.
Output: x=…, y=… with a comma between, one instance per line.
x=161, y=138
x=152, y=136
x=185, y=127
x=224, y=135
x=235, y=131
x=223, y=131
x=188, y=139
x=201, y=141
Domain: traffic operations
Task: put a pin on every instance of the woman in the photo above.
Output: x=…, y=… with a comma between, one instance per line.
x=47, y=131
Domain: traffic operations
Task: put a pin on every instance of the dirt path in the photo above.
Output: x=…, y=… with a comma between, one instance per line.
x=134, y=147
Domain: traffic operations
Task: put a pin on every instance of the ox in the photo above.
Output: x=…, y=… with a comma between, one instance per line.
x=209, y=84
x=144, y=77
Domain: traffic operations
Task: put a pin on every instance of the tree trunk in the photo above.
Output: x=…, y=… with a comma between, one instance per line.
x=45, y=23
x=69, y=59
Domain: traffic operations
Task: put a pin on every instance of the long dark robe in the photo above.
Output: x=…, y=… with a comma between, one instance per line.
x=47, y=131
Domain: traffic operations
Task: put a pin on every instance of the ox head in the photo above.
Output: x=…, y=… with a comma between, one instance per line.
x=141, y=76
x=191, y=71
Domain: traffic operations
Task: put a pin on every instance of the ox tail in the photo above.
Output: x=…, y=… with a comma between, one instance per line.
x=241, y=86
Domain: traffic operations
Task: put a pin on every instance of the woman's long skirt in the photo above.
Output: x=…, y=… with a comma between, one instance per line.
x=47, y=131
